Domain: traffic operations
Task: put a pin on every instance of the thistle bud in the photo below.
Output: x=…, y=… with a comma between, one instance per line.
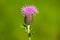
x=28, y=19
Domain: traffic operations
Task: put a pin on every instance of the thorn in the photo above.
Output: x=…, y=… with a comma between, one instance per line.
x=24, y=25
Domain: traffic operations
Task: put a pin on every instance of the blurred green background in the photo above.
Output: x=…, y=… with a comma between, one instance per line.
x=46, y=24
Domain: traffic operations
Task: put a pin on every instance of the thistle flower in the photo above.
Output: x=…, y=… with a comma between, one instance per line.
x=29, y=11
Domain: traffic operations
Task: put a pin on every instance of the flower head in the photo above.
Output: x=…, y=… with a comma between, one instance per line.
x=28, y=10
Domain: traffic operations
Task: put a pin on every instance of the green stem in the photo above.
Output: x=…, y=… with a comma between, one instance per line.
x=29, y=34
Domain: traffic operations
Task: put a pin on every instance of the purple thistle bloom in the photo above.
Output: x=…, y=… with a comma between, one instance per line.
x=29, y=11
